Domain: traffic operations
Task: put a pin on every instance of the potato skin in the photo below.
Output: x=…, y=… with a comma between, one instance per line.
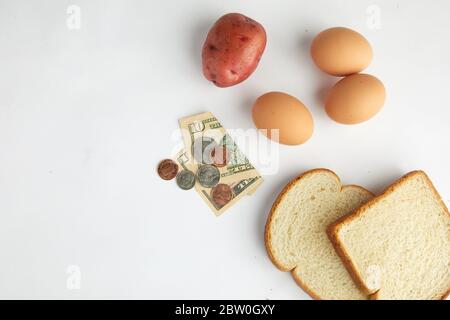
x=232, y=49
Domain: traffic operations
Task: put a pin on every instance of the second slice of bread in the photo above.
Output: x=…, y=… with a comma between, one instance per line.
x=397, y=245
x=296, y=238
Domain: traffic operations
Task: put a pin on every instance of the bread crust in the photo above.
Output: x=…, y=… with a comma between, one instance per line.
x=280, y=197
x=334, y=228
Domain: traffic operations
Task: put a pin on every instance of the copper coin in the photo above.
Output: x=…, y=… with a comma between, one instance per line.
x=220, y=156
x=167, y=169
x=221, y=194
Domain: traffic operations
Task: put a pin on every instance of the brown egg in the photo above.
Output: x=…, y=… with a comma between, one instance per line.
x=355, y=99
x=341, y=51
x=278, y=110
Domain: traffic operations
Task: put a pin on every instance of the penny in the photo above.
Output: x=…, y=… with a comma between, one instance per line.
x=167, y=169
x=185, y=179
x=221, y=194
x=202, y=148
x=220, y=156
x=208, y=176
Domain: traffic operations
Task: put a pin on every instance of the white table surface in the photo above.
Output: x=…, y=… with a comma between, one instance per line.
x=86, y=114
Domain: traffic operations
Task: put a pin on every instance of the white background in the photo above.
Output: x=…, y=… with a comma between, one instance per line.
x=86, y=115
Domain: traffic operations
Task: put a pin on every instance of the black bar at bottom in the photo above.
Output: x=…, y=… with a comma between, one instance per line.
x=216, y=309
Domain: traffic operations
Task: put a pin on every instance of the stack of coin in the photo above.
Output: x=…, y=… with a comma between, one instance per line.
x=219, y=156
x=202, y=149
x=206, y=151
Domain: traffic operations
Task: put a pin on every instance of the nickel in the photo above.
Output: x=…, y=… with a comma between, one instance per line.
x=185, y=179
x=221, y=194
x=167, y=169
x=208, y=176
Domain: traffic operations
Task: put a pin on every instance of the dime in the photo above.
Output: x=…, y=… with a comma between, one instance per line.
x=186, y=179
x=220, y=156
x=208, y=176
x=167, y=169
x=221, y=194
x=202, y=148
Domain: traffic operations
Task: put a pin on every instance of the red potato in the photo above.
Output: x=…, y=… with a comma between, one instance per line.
x=232, y=49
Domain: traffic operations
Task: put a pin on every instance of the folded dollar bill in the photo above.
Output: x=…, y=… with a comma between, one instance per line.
x=224, y=174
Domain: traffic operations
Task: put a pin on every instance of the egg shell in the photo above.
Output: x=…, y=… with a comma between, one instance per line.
x=341, y=51
x=355, y=99
x=278, y=110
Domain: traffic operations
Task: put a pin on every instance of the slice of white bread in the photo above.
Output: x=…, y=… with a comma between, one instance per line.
x=296, y=237
x=397, y=245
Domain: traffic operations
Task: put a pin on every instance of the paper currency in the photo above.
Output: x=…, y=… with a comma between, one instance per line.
x=202, y=133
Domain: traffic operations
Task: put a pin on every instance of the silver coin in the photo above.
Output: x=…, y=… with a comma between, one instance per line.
x=186, y=179
x=208, y=176
x=202, y=148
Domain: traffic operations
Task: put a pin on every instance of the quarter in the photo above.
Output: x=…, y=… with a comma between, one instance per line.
x=208, y=176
